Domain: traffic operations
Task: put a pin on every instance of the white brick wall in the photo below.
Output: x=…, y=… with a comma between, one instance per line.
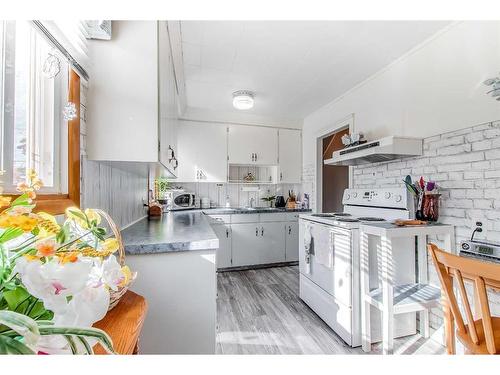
x=466, y=166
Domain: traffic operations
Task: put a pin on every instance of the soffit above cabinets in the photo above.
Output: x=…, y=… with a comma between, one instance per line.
x=294, y=67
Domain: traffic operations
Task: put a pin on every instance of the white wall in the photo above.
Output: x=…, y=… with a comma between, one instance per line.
x=435, y=88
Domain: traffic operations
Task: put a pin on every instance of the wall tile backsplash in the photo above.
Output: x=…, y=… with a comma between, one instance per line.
x=466, y=166
x=237, y=197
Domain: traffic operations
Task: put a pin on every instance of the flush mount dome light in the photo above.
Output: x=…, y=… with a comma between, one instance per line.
x=243, y=99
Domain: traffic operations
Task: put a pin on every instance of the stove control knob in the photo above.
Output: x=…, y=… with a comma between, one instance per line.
x=387, y=195
x=354, y=195
x=347, y=196
x=398, y=198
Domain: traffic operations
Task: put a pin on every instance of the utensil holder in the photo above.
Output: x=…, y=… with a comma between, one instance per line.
x=430, y=207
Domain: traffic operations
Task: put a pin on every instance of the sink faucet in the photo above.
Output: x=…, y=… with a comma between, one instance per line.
x=252, y=201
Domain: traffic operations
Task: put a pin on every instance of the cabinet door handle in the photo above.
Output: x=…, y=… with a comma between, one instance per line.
x=289, y=229
x=256, y=232
x=255, y=156
x=227, y=233
x=281, y=176
x=262, y=231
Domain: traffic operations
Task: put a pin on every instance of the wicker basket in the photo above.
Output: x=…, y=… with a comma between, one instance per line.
x=115, y=295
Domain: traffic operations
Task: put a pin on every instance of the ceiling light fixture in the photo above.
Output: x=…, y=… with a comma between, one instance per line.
x=243, y=99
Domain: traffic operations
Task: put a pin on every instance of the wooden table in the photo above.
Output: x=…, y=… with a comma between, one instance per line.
x=425, y=295
x=124, y=323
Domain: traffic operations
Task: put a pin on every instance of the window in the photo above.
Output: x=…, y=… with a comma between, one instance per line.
x=33, y=131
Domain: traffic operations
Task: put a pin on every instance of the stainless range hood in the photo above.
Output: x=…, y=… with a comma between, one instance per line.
x=384, y=149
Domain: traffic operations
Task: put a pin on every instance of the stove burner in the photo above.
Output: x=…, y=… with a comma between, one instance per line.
x=324, y=215
x=341, y=214
x=370, y=219
x=347, y=220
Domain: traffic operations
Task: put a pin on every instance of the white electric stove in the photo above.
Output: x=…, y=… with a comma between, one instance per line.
x=329, y=260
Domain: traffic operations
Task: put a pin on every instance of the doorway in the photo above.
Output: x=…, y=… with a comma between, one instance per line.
x=335, y=178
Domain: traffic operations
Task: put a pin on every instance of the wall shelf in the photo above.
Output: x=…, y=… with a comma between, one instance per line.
x=264, y=175
x=240, y=182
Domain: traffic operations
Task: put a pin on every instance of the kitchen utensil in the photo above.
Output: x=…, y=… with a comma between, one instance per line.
x=280, y=201
x=403, y=223
x=409, y=185
x=422, y=182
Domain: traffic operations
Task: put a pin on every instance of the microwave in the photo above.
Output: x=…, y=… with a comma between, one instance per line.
x=179, y=200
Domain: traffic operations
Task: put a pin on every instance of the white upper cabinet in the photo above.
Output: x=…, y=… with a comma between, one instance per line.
x=252, y=145
x=167, y=98
x=290, y=156
x=132, y=95
x=202, y=149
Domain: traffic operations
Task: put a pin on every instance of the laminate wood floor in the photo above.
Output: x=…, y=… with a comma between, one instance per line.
x=260, y=312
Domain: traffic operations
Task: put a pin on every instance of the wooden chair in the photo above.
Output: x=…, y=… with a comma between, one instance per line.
x=480, y=335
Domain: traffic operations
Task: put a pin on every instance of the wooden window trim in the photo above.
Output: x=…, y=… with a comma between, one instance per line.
x=56, y=204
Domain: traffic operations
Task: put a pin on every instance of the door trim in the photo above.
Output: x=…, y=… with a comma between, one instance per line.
x=345, y=123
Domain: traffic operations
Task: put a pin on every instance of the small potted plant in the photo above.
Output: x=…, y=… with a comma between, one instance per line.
x=270, y=200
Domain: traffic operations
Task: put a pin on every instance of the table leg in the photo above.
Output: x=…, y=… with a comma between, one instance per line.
x=423, y=279
x=387, y=296
x=365, y=289
x=449, y=241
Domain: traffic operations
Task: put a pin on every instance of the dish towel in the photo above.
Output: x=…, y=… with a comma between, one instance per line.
x=324, y=251
x=308, y=247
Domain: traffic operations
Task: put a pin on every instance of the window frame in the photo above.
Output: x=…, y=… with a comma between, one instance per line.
x=57, y=203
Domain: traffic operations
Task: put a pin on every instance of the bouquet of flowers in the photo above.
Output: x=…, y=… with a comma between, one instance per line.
x=55, y=280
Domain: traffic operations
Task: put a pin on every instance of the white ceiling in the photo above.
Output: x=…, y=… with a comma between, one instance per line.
x=294, y=67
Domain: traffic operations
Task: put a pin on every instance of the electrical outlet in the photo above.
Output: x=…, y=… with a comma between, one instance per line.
x=479, y=223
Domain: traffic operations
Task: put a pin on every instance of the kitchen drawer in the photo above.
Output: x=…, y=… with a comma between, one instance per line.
x=292, y=216
x=273, y=217
x=226, y=219
x=244, y=218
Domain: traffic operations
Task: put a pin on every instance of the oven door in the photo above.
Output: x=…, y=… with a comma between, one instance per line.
x=183, y=201
x=336, y=281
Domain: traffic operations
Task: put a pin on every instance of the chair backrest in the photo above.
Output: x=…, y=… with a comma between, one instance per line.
x=483, y=275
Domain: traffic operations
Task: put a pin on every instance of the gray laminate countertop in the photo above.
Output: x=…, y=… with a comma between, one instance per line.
x=172, y=232
x=257, y=210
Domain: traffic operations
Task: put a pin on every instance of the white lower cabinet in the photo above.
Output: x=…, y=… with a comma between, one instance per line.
x=292, y=242
x=254, y=239
x=223, y=233
x=246, y=244
x=272, y=249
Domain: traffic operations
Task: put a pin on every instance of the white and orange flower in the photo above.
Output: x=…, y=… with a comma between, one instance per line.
x=46, y=248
